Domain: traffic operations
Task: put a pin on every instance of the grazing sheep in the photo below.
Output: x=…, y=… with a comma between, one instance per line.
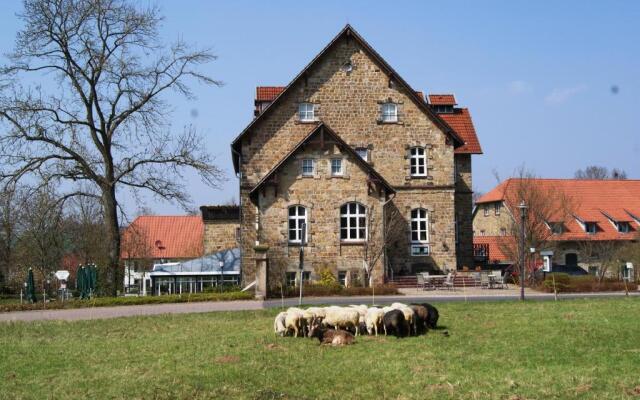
x=279, y=324
x=332, y=337
x=339, y=317
x=295, y=321
x=373, y=320
x=312, y=316
x=409, y=316
x=432, y=319
x=394, y=322
x=421, y=316
x=362, y=309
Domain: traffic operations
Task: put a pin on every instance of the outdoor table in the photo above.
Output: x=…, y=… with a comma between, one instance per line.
x=431, y=279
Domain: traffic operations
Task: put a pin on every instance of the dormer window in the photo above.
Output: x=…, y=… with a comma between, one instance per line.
x=306, y=112
x=623, y=227
x=389, y=112
x=557, y=228
x=590, y=227
x=443, y=109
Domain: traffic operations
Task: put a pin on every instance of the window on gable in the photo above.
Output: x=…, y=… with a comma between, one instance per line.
x=353, y=222
x=418, y=157
x=363, y=152
x=419, y=226
x=306, y=112
x=308, y=167
x=298, y=226
x=590, y=227
x=389, y=112
x=336, y=167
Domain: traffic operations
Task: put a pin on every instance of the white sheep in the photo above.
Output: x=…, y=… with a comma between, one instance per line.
x=338, y=317
x=295, y=321
x=409, y=315
x=313, y=315
x=362, y=309
x=279, y=325
x=374, y=319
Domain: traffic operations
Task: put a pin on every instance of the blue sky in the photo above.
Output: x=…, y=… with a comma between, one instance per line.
x=537, y=76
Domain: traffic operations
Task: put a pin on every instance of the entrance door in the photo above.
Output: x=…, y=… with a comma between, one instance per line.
x=571, y=259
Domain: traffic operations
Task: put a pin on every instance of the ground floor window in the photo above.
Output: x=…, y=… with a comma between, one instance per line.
x=342, y=277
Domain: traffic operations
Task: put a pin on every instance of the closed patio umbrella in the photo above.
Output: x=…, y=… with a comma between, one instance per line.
x=31, y=287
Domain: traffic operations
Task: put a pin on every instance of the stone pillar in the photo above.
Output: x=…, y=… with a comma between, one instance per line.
x=261, y=271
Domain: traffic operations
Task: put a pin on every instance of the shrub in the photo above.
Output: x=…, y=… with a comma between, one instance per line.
x=317, y=290
x=584, y=283
x=126, y=301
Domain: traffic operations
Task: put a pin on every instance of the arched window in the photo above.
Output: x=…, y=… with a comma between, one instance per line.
x=418, y=161
x=297, y=216
x=419, y=226
x=353, y=222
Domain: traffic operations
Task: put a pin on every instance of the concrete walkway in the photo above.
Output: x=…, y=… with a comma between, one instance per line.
x=410, y=296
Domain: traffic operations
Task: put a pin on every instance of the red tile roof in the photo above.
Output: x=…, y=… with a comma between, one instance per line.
x=596, y=201
x=167, y=237
x=268, y=93
x=498, y=247
x=442, y=100
x=460, y=121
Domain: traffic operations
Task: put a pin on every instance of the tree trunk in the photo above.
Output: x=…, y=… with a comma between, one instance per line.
x=110, y=206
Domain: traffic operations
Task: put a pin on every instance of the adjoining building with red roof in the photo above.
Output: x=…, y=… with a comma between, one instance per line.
x=596, y=213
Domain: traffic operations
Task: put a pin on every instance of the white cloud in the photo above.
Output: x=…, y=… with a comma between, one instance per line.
x=562, y=95
x=520, y=87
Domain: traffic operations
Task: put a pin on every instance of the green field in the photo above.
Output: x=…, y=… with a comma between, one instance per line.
x=583, y=349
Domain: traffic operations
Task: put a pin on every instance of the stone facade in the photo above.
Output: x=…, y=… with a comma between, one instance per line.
x=220, y=235
x=492, y=223
x=348, y=100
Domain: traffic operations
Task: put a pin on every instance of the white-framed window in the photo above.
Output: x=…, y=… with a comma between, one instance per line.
x=590, y=227
x=342, y=278
x=482, y=232
x=297, y=216
x=503, y=232
x=419, y=226
x=486, y=210
x=497, y=207
x=363, y=152
x=308, y=167
x=306, y=112
x=336, y=167
x=389, y=112
x=418, y=157
x=291, y=278
x=353, y=222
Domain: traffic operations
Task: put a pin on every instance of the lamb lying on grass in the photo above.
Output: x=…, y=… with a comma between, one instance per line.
x=332, y=337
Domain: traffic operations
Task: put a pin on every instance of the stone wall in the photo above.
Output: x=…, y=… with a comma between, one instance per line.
x=220, y=235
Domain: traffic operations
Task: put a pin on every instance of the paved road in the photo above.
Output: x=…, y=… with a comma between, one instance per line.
x=182, y=308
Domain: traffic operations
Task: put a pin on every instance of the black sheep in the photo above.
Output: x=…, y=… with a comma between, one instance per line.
x=421, y=317
x=433, y=315
x=394, y=322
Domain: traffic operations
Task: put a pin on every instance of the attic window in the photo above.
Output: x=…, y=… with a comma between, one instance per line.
x=556, y=228
x=443, y=109
x=306, y=112
x=590, y=227
x=363, y=152
x=389, y=112
x=623, y=227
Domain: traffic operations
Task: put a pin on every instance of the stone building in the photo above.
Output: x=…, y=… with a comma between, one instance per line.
x=599, y=217
x=349, y=151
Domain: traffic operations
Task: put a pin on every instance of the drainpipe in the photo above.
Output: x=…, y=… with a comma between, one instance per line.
x=239, y=176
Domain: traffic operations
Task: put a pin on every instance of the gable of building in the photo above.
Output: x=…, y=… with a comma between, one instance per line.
x=347, y=50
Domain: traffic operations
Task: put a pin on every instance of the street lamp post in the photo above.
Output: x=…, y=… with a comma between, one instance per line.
x=221, y=265
x=303, y=239
x=523, y=215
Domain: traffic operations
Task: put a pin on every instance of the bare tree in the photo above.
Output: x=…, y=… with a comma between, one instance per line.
x=605, y=253
x=600, y=173
x=85, y=225
x=548, y=210
x=382, y=231
x=102, y=121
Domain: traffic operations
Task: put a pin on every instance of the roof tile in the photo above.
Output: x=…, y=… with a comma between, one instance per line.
x=151, y=236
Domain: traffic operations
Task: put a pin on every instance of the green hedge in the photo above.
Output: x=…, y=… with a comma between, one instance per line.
x=128, y=301
x=584, y=283
x=319, y=290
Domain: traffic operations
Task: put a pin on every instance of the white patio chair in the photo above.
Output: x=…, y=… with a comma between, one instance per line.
x=420, y=282
x=448, y=282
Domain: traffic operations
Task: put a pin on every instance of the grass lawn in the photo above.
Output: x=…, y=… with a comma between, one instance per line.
x=582, y=349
